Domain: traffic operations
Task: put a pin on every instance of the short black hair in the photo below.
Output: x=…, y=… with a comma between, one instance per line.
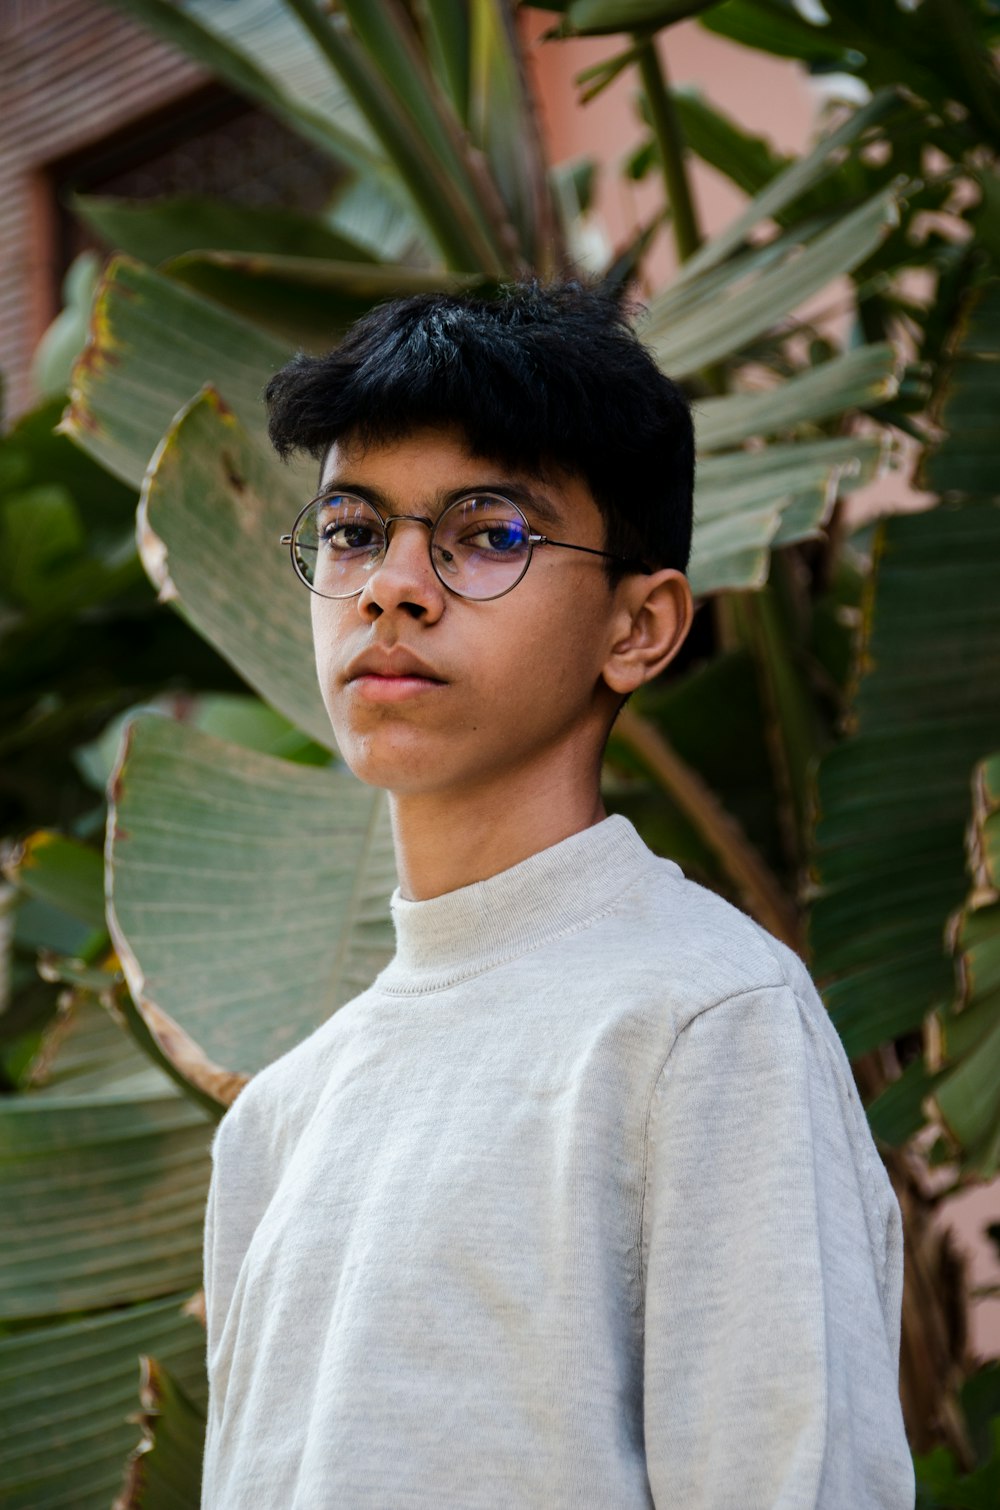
x=536, y=377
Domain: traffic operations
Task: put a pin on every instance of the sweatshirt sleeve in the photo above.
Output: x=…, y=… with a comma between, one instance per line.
x=237, y=1189
x=772, y=1271
x=215, y=1306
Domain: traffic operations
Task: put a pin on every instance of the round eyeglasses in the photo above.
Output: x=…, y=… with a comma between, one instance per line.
x=480, y=545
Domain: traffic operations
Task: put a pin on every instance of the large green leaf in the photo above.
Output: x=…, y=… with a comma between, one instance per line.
x=104, y=1200
x=85, y=1051
x=380, y=59
x=153, y=345
x=259, y=49
x=855, y=380
x=893, y=796
x=248, y=897
x=306, y=300
x=900, y=1111
x=966, y=458
x=503, y=125
x=800, y=176
x=748, y=501
x=749, y=161
x=445, y=25
x=155, y=230
x=213, y=506
x=66, y=1394
x=61, y=342
x=687, y=335
x=61, y=871
x=365, y=213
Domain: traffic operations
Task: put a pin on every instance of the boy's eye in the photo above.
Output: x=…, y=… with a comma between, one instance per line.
x=504, y=535
x=349, y=537
x=480, y=528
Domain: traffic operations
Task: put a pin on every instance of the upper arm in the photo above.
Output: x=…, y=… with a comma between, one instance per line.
x=770, y=1371
x=241, y=1184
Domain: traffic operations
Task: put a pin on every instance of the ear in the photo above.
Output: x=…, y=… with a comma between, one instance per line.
x=652, y=620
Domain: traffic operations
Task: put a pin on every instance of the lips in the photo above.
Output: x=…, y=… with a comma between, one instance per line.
x=393, y=664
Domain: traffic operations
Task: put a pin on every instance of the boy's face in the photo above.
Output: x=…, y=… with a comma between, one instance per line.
x=429, y=692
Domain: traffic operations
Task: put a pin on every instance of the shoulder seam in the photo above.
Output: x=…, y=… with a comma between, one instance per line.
x=643, y=1181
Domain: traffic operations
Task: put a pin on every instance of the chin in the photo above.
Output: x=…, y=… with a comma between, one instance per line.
x=394, y=765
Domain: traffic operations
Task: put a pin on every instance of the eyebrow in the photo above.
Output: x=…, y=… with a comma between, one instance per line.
x=518, y=492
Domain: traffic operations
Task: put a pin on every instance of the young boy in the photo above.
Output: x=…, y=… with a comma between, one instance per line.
x=577, y=1205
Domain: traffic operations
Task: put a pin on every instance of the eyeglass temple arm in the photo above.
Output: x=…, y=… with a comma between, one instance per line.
x=608, y=555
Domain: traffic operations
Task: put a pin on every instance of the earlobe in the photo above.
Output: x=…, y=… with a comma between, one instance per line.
x=658, y=611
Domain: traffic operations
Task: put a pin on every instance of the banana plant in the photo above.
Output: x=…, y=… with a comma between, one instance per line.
x=246, y=891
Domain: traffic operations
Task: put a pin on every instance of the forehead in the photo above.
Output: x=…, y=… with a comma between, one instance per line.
x=429, y=465
x=419, y=453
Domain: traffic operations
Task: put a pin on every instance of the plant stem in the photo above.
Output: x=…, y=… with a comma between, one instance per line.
x=670, y=146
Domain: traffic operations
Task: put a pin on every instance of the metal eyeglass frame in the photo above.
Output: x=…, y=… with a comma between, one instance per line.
x=432, y=524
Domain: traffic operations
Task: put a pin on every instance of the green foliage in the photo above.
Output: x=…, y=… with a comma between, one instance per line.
x=67, y=1393
x=893, y=797
x=248, y=893
x=164, y=1470
x=598, y=17
x=941, y=1483
x=87, y=1184
x=67, y=874
x=80, y=640
x=749, y=161
x=58, y=349
x=941, y=51
x=969, y=1053
x=213, y=508
x=826, y=772
x=156, y=231
x=119, y=410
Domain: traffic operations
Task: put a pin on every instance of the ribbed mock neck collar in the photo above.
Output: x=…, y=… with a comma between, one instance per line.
x=461, y=934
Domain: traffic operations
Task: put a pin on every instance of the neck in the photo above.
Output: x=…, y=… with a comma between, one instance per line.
x=447, y=840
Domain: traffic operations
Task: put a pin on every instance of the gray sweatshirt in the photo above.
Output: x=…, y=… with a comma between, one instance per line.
x=576, y=1206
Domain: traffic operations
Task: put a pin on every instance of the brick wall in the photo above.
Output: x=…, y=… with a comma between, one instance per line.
x=73, y=73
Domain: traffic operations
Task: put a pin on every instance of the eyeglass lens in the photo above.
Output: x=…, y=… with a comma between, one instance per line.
x=479, y=545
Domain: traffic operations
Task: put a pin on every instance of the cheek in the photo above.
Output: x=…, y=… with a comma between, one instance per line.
x=327, y=626
x=551, y=655
x=327, y=629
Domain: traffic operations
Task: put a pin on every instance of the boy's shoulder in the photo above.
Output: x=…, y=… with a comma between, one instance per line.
x=707, y=953
x=269, y=1110
x=703, y=947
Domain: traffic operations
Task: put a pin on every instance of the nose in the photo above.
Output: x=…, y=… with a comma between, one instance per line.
x=404, y=580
